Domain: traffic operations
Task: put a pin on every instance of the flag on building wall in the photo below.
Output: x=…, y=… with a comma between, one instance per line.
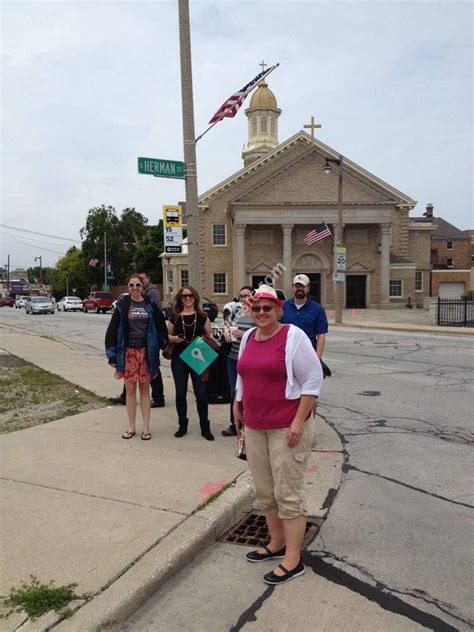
x=230, y=107
x=317, y=234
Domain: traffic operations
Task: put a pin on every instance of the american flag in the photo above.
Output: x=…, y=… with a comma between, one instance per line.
x=230, y=107
x=317, y=234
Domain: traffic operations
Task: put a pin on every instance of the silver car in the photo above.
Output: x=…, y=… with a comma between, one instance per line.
x=39, y=305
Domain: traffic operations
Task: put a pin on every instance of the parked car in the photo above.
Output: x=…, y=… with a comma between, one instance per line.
x=20, y=301
x=231, y=308
x=209, y=307
x=7, y=301
x=39, y=305
x=70, y=304
x=98, y=302
x=114, y=304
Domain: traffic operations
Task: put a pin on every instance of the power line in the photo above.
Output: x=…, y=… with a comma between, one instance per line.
x=32, y=240
x=33, y=232
x=24, y=243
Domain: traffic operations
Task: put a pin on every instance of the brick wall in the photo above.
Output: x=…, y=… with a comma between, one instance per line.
x=449, y=276
x=460, y=254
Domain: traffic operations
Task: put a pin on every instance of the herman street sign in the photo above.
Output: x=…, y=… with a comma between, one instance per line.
x=161, y=168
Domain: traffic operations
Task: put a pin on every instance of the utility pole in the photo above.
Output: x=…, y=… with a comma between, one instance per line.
x=8, y=273
x=105, y=261
x=40, y=258
x=187, y=104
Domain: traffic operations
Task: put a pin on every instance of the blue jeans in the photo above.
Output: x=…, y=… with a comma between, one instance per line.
x=232, y=373
x=181, y=372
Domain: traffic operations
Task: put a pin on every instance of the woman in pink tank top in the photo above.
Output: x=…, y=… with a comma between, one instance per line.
x=279, y=377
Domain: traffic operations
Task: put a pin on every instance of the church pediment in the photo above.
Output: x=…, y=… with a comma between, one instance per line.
x=297, y=177
x=260, y=268
x=358, y=267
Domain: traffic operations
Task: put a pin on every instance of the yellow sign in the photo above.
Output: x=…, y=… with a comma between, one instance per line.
x=172, y=217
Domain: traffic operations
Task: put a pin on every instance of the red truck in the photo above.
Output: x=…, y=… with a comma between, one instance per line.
x=98, y=302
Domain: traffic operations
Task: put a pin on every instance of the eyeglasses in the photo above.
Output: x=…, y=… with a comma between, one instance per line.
x=187, y=296
x=262, y=308
x=135, y=284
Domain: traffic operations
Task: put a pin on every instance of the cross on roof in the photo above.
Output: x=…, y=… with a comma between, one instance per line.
x=262, y=64
x=312, y=126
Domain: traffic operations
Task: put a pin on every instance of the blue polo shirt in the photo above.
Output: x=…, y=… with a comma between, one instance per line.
x=310, y=317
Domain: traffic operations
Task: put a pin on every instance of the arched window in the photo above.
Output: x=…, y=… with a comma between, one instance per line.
x=254, y=126
x=263, y=124
x=273, y=125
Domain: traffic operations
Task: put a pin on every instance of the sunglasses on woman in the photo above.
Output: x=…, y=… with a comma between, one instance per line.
x=135, y=284
x=262, y=308
x=187, y=296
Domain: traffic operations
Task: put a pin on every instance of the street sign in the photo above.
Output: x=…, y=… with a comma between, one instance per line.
x=173, y=250
x=198, y=355
x=161, y=168
x=172, y=217
x=339, y=277
x=341, y=258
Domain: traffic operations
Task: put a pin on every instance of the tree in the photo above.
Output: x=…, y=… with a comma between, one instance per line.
x=71, y=273
x=123, y=235
x=148, y=253
x=37, y=275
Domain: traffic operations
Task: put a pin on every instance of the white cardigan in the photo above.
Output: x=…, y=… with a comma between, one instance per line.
x=303, y=368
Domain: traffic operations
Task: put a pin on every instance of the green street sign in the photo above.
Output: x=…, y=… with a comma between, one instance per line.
x=198, y=355
x=161, y=168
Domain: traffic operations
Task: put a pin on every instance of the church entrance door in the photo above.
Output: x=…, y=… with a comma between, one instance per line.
x=257, y=279
x=356, y=290
x=315, y=286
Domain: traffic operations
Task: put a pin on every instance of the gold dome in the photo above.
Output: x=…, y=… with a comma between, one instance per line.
x=263, y=97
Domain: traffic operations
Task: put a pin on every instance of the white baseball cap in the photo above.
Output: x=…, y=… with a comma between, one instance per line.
x=302, y=279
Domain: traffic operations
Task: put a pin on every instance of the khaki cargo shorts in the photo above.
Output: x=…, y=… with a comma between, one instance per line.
x=278, y=471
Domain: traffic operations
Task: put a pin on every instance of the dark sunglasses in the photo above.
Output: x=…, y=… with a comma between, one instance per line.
x=187, y=296
x=135, y=284
x=262, y=308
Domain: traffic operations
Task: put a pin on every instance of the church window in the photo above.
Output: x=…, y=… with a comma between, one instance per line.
x=263, y=124
x=418, y=281
x=184, y=277
x=254, y=126
x=396, y=288
x=218, y=235
x=273, y=126
x=220, y=283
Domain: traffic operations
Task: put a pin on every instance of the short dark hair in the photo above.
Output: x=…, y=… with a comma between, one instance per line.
x=147, y=274
x=247, y=287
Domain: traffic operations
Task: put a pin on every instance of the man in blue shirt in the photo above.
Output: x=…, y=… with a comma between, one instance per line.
x=306, y=314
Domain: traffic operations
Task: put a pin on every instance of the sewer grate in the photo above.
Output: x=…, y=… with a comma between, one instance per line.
x=253, y=530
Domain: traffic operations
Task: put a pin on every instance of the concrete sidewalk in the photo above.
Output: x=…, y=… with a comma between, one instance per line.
x=118, y=517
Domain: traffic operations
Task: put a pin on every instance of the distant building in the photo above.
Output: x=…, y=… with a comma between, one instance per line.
x=451, y=257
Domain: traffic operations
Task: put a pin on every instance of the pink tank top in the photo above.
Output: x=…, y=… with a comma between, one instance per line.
x=263, y=372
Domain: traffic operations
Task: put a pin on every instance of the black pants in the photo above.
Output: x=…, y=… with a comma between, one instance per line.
x=181, y=374
x=157, y=389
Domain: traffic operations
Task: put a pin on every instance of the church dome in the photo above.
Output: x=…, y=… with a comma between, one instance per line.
x=263, y=97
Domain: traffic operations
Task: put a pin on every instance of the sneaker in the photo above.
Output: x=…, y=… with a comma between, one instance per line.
x=159, y=404
x=117, y=400
x=275, y=580
x=230, y=432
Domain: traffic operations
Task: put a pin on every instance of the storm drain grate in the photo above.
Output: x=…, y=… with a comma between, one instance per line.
x=253, y=530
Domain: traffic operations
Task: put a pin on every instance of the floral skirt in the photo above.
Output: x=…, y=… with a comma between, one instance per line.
x=136, y=366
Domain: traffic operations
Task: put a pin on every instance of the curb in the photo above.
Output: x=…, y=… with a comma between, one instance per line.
x=427, y=329
x=129, y=591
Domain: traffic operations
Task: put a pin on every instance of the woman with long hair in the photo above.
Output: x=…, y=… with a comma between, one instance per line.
x=134, y=336
x=187, y=322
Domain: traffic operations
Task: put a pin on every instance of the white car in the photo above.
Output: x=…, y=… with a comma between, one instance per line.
x=70, y=304
x=20, y=301
x=39, y=305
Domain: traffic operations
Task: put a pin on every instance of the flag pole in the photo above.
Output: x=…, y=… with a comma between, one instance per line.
x=264, y=77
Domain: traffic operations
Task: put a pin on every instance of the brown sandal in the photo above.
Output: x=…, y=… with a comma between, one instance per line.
x=146, y=436
x=128, y=435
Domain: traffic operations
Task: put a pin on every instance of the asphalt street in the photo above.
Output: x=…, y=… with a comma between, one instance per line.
x=395, y=552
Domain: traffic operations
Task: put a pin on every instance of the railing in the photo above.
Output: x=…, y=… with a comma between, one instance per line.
x=455, y=312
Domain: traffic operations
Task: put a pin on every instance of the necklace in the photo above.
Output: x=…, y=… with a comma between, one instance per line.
x=262, y=337
x=193, y=325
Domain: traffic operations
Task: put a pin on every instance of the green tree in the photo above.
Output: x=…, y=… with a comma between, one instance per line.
x=71, y=273
x=147, y=256
x=123, y=236
x=37, y=275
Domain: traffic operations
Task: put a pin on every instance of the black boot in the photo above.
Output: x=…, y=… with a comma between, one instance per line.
x=182, y=430
x=206, y=431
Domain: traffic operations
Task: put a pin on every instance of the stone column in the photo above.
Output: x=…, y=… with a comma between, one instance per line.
x=287, y=258
x=385, y=265
x=239, y=256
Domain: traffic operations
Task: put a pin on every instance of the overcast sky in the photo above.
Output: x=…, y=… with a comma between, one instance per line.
x=87, y=87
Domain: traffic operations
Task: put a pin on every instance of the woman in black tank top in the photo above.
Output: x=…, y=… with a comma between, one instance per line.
x=186, y=323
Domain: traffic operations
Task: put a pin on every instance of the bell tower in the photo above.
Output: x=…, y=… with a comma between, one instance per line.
x=262, y=115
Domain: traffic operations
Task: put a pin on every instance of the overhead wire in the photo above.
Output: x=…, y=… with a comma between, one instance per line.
x=34, y=232
x=24, y=243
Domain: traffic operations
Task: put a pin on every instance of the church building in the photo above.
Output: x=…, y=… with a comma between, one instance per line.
x=253, y=223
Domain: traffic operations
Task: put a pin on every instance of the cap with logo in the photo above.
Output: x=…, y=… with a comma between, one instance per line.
x=302, y=279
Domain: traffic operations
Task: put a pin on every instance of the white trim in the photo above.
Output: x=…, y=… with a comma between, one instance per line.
x=451, y=270
x=422, y=280
x=402, y=289
x=225, y=293
x=401, y=266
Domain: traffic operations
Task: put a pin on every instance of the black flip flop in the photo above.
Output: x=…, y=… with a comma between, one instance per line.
x=146, y=436
x=128, y=435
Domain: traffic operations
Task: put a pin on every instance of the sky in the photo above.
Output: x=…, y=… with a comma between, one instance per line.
x=88, y=87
